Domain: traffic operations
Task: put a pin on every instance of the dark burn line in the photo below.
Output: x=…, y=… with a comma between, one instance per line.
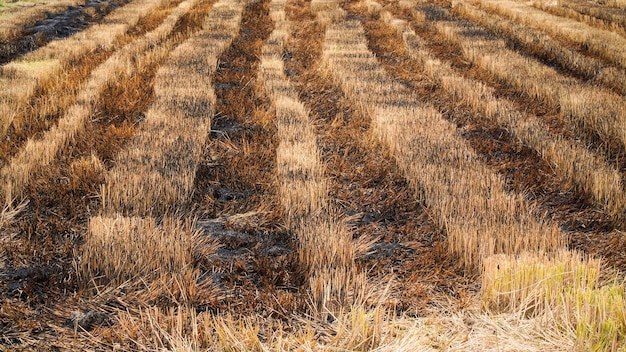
x=256, y=264
x=367, y=185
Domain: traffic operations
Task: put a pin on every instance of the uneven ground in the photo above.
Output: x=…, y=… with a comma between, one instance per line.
x=313, y=175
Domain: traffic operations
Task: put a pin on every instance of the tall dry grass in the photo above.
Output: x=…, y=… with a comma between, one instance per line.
x=38, y=152
x=565, y=290
x=596, y=115
x=468, y=200
x=605, y=44
x=326, y=249
x=155, y=173
x=575, y=165
x=546, y=48
x=22, y=77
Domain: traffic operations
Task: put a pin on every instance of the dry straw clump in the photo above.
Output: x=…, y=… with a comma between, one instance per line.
x=565, y=289
x=145, y=261
x=607, y=45
x=22, y=77
x=121, y=249
x=574, y=164
x=39, y=152
x=155, y=173
x=591, y=112
x=326, y=249
x=468, y=200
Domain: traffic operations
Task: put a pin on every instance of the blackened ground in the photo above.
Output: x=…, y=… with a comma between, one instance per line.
x=237, y=188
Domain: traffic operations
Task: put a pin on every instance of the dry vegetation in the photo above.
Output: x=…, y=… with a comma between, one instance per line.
x=439, y=165
x=279, y=175
x=594, y=114
x=17, y=15
x=42, y=85
x=38, y=152
x=599, y=16
x=542, y=46
x=606, y=44
x=572, y=163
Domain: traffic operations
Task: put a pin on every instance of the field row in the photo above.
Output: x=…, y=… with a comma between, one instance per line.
x=276, y=174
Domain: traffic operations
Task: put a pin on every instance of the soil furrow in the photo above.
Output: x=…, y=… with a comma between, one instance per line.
x=37, y=153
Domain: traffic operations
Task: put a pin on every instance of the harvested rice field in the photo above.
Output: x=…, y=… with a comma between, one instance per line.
x=312, y=175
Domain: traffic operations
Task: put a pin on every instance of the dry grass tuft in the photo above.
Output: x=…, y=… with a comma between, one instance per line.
x=120, y=249
x=565, y=289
